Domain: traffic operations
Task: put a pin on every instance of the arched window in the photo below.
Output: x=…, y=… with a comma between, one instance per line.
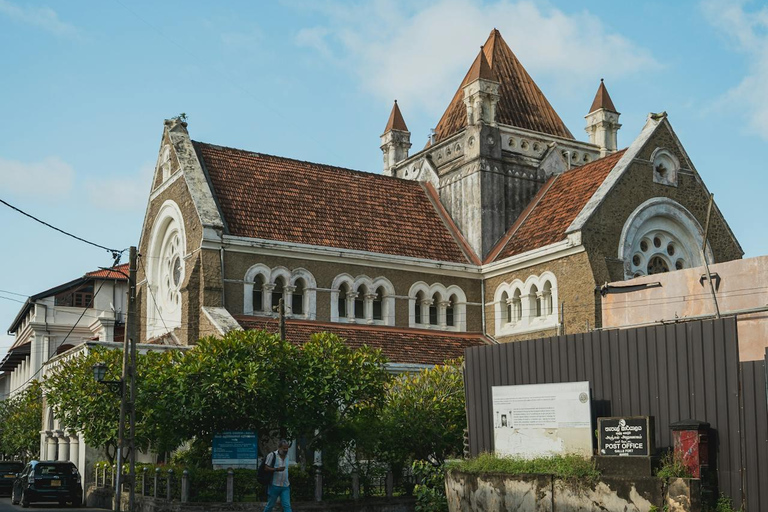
x=450, y=311
x=297, y=299
x=360, y=302
x=378, y=313
x=433, y=309
x=418, y=308
x=517, y=305
x=506, y=306
x=534, y=302
x=546, y=299
x=258, y=293
x=342, y=300
x=277, y=293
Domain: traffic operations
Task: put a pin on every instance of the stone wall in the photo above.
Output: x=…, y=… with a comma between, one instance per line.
x=544, y=493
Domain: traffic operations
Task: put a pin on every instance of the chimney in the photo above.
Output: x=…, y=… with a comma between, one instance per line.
x=396, y=140
x=603, y=122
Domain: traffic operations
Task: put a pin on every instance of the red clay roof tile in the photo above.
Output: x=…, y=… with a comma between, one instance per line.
x=556, y=206
x=417, y=346
x=119, y=272
x=521, y=102
x=275, y=198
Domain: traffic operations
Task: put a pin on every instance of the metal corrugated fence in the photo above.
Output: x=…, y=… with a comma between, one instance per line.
x=687, y=370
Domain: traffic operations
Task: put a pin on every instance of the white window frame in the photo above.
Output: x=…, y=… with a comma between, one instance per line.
x=532, y=292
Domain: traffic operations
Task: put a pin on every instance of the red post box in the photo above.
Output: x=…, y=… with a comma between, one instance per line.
x=691, y=442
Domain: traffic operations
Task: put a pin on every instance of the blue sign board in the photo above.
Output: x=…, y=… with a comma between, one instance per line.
x=235, y=448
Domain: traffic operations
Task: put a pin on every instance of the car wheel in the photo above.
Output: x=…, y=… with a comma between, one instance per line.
x=24, y=500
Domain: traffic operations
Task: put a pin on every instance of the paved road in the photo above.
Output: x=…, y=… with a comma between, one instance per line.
x=5, y=506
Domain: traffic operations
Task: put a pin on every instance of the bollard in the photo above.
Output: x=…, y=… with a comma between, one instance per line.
x=104, y=475
x=97, y=473
x=157, y=481
x=168, y=489
x=114, y=474
x=185, y=486
x=390, y=483
x=144, y=481
x=355, y=485
x=230, y=485
x=318, y=484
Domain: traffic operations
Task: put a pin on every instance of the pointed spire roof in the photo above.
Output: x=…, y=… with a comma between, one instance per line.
x=602, y=100
x=480, y=69
x=396, y=121
x=521, y=102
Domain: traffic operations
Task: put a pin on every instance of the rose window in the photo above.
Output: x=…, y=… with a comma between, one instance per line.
x=172, y=271
x=658, y=252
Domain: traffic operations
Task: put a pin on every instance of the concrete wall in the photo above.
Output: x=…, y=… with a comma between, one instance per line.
x=543, y=493
x=683, y=294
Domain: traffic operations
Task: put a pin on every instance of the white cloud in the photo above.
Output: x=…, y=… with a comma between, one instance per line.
x=749, y=30
x=128, y=193
x=416, y=55
x=42, y=17
x=47, y=178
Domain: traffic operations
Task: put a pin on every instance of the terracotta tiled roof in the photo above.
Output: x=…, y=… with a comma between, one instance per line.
x=602, y=99
x=554, y=208
x=480, y=69
x=396, y=121
x=119, y=272
x=418, y=346
x=275, y=198
x=521, y=102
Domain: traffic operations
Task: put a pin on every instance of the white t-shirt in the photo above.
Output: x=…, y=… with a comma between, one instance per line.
x=279, y=478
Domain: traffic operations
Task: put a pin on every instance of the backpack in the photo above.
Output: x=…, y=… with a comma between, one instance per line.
x=263, y=476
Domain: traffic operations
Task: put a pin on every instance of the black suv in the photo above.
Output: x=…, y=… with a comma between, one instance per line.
x=48, y=480
x=8, y=470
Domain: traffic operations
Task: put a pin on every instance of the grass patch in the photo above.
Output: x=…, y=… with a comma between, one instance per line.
x=673, y=466
x=566, y=467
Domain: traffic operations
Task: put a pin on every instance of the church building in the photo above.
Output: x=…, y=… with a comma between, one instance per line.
x=501, y=229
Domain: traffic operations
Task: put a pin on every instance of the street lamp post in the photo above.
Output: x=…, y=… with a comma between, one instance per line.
x=127, y=387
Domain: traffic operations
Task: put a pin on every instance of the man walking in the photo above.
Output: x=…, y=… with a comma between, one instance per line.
x=277, y=464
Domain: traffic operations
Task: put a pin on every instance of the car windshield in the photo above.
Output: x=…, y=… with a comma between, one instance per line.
x=54, y=469
x=11, y=466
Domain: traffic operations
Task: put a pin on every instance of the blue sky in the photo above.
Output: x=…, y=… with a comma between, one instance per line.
x=85, y=87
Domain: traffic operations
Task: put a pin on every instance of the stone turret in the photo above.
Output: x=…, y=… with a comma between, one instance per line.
x=603, y=122
x=481, y=92
x=396, y=140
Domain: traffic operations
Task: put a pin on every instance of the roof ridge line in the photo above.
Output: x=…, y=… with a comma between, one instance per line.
x=335, y=167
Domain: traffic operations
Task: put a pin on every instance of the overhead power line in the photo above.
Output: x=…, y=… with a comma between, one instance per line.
x=115, y=252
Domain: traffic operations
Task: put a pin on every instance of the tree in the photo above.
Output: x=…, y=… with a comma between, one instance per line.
x=334, y=385
x=92, y=408
x=20, y=419
x=424, y=415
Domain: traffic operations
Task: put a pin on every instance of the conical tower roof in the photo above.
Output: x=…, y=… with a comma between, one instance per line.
x=521, y=102
x=396, y=121
x=602, y=100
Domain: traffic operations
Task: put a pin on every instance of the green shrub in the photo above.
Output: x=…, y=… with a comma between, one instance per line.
x=724, y=504
x=430, y=493
x=673, y=466
x=567, y=467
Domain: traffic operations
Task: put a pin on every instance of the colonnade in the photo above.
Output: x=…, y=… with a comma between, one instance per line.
x=60, y=445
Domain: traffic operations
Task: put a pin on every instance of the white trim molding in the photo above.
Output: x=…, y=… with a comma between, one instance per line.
x=449, y=303
x=520, y=307
x=290, y=280
x=362, y=291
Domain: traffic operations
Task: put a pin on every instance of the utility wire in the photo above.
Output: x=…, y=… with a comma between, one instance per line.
x=154, y=300
x=14, y=293
x=115, y=252
x=13, y=300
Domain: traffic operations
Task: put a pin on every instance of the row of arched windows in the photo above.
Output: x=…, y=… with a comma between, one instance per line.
x=360, y=299
x=526, y=306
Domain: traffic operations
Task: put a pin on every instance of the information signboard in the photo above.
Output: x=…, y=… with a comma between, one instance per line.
x=235, y=449
x=626, y=436
x=542, y=419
